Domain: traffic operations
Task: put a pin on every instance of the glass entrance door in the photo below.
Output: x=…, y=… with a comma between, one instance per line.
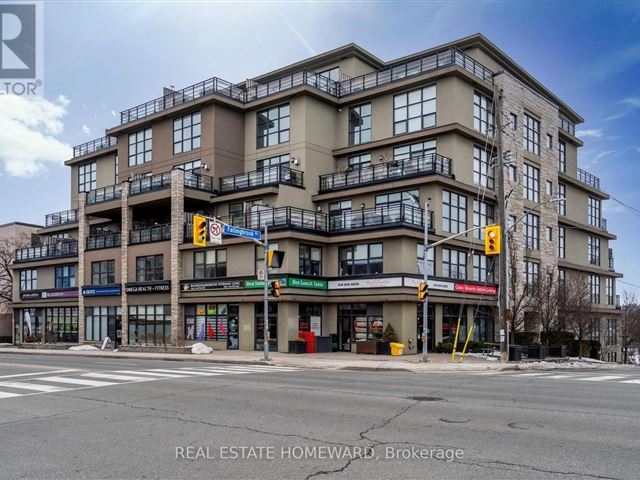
x=431, y=318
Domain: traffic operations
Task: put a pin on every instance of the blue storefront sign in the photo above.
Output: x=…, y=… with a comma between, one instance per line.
x=101, y=291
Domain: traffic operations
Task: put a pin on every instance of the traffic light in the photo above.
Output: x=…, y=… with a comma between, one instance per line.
x=275, y=288
x=422, y=291
x=199, y=231
x=492, y=240
x=274, y=258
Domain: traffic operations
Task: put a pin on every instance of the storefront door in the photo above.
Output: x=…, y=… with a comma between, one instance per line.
x=431, y=330
x=273, y=327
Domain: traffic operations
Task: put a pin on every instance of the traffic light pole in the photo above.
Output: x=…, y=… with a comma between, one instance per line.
x=265, y=316
x=425, y=273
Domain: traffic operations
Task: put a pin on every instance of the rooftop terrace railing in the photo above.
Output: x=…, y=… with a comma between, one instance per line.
x=588, y=179
x=150, y=183
x=61, y=218
x=94, y=146
x=104, y=194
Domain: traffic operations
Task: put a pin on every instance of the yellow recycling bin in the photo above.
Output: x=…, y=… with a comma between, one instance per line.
x=396, y=349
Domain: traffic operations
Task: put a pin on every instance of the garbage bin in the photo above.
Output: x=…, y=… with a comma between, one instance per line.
x=396, y=349
x=515, y=353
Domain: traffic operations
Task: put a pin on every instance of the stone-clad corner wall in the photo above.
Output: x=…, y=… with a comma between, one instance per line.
x=177, y=234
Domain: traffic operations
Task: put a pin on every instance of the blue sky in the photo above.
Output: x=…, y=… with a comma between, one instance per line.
x=102, y=57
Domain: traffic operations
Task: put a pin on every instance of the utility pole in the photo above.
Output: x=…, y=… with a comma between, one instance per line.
x=502, y=287
x=425, y=273
x=265, y=316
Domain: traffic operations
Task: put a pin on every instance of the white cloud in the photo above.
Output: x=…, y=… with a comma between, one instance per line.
x=601, y=155
x=630, y=104
x=113, y=112
x=28, y=129
x=593, y=133
x=86, y=130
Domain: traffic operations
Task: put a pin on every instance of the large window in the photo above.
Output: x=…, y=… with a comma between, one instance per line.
x=531, y=185
x=408, y=197
x=360, y=124
x=215, y=322
x=483, y=268
x=593, y=212
x=103, y=272
x=28, y=280
x=87, y=177
x=562, y=242
x=531, y=272
x=414, y=151
x=149, y=268
x=361, y=160
x=415, y=110
x=483, y=118
x=532, y=231
x=609, y=290
x=562, y=156
x=612, y=332
x=562, y=194
x=594, y=288
x=259, y=256
x=65, y=276
x=140, y=147
x=210, y=263
x=593, y=250
x=363, y=259
x=100, y=322
x=273, y=126
x=454, y=263
x=454, y=212
x=62, y=323
x=310, y=259
x=186, y=133
x=420, y=260
x=272, y=162
x=193, y=166
x=482, y=170
x=482, y=216
x=150, y=324
x=531, y=134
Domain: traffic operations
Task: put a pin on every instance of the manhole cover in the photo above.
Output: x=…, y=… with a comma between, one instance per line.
x=420, y=398
x=454, y=420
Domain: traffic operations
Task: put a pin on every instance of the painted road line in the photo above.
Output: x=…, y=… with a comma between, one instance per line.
x=602, y=378
x=161, y=370
x=151, y=374
x=635, y=380
x=223, y=371
x=110, y=376
x=529, y=374
x=256, y=368
x=39, y=373
x=33, y=386
x=8, y=395
x=77, y=381
x=561, y=376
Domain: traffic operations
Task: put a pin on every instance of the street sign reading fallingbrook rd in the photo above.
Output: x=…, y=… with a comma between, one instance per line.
x=241, y=232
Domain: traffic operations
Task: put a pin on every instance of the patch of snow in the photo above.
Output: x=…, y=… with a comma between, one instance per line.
x=200, y=348
x=83, y=348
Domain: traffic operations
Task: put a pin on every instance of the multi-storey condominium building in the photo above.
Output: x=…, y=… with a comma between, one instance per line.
x=338, y=154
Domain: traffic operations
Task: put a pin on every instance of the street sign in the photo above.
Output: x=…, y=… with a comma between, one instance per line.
x=241, y=232
x=215, y=233
x=261, y=274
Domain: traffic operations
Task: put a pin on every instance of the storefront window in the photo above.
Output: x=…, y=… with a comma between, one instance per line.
x=62, y=324
x=273, y=326
x=483, y=321
x=359, y=322
x=450, y=315
x=310, y=318
x=32, y=324
x=214, y=322
x=431, y=330
x=101, y=322
x=150, y=324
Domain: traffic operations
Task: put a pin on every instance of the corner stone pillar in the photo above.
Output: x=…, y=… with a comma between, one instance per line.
x=83, y=232
x=124, y=265
x=177, y=236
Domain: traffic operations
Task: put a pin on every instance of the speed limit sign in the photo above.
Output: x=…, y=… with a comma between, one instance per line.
x=215, y=233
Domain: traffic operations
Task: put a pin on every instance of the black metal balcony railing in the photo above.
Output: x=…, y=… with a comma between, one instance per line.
x=66, y=248
x=105, y=240
x=384, y=215
x=104, y=194
x=566, y=125
x=272, y=175
x=369, y=174
x=94, y=146
x=156, y=233
x=150, y=183
x=61, y=218
x=588, y=179
x=249, y=93
x=198, y=181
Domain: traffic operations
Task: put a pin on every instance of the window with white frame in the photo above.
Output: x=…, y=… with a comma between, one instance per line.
x=609, y=289
x=454, y=264
x=265, y=163
x=87, y=177
x=483, y=117
x=483, y=215
x=358, y=161
x=28, y=280
x=273, y=126
x=562, y=195
x=193, y=166
x=414, y=151
x=562, y=156
x=360, y=124
x=532, y=231
x=482, y=268
x=593, y=250
x=140, y=144
x=186, y=133
x=420, y=260
x=531, y=134
x=454, y=212
x=482, y=168
x=593, y=212
x=594, y=288
x=531, y=179
x=562, y=242
x=414, y=110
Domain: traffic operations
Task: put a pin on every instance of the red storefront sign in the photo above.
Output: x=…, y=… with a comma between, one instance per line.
x=475, y=289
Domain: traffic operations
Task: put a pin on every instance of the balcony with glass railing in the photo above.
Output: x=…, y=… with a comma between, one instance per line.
x=382, y=172
x=61, y=218
x=94, y=146
x=104, y=240
x=566, y=125
x=104, y=194
x=588, y=179
x=150, y=183
x=155, y=233
x=63, y=248
x=272, y=175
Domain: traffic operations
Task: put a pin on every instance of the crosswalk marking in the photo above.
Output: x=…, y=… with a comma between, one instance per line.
x=77, y=381
x=602, y=378
x=635, y=380
x=33, y=386
x=9, y=395
x=152, y=374
x=184, y=372
x=39, y=373
x=564, y=375
x=109, y=376
x=529, y=374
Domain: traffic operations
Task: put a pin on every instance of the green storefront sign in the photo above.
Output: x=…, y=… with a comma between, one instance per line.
x=293, y=282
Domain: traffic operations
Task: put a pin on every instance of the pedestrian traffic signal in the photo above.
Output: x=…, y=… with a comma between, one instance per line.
x=492, y=240
x=274, y=258
x=275, y=288
x=422, y=291
x=199, y=231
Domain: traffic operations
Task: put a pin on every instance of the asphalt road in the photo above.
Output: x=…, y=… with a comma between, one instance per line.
x=78, y=418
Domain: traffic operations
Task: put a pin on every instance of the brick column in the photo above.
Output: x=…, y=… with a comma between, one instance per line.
x=83, y=232
x=177, y=235
x=124, y=265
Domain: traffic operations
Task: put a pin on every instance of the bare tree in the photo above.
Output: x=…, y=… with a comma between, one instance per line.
x=630, y=328
x=544, y=302
x=8, y=247
x=517, y=290
x=575, y=308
